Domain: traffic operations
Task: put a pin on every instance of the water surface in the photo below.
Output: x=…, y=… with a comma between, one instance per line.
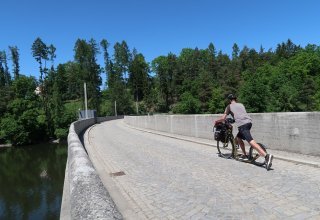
x=31, y=181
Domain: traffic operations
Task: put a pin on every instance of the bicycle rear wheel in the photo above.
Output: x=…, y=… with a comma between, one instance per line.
x=225, y=150
x=255, y=157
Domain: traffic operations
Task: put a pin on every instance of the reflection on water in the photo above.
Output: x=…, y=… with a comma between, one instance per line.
x=31, y=181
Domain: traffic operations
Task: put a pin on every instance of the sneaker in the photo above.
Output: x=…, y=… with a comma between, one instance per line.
x=244, y=157
x=269, y=158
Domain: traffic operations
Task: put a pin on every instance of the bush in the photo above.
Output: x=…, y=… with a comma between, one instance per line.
x=12, y=132
x=61, y=133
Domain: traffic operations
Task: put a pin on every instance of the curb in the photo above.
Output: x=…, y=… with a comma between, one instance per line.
x=184, y=138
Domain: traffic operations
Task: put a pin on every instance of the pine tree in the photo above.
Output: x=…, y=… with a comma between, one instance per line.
x=40, y=53
x=5, y=77
x=138, y=77
x=86, y=57
x=15, y=60
x=122, y=59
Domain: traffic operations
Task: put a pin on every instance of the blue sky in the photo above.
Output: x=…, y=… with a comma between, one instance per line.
x=153, y=27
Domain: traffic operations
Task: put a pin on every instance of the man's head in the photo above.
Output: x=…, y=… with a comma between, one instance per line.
x=232, y=97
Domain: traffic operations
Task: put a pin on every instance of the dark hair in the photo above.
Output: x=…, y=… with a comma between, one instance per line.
x=232, y=97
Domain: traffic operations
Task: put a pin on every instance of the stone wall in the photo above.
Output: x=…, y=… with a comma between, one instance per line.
x=294, y=132
x=84, y=195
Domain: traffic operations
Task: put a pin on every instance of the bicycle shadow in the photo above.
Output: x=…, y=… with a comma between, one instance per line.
x=225, y=156
x=255, y=164
x=229, y=156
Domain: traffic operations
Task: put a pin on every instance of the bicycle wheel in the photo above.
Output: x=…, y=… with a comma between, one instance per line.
x=225, y=150
x=255, y=157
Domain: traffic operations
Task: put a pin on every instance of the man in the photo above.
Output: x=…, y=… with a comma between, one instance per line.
x=244, y=123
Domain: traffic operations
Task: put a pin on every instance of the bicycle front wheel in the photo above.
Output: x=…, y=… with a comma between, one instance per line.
x=225, y=150
x=255, y=157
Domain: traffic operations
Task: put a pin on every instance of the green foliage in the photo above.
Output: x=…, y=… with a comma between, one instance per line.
x=71, y=109
x=194, y=81
x=23, y=122
x=254, y=92
x=138, y=77
x=217, y=104
x=61, y=133
x=15, y=60
x=5, y=77
x=106, y=108
x=6, y=95
x=168, y=80
x=89, y=70
x=24, y=88
x=187, y=105
x=40, y=53
x=12, y=132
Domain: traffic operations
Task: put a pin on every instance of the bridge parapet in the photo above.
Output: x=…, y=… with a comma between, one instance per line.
x=84, y=195
x=288, y=131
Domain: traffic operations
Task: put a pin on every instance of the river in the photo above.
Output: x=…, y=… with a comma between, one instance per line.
x=31, y=181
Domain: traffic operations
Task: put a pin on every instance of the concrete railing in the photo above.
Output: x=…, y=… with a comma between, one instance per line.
x=294, y=132
x=84, y=195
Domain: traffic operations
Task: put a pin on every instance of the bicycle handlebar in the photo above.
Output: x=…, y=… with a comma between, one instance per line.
x=229, y=120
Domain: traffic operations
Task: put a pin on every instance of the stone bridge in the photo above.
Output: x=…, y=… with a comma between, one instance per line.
x=167, y=167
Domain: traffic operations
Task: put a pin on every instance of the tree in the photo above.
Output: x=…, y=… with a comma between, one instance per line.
x=73, y=88
x=2, y=72
x=287, y=50
x=216, y=103
x=6, y=95
x=212, y=61
x=138, y=77
x=235, y=51
x=86, y=57
x=105, y=45
x=24, y=120
x=52, y=55
x=188, y=105
x=204, y=89
x=119, y=96
x=40, y=53
x=5, y=77
x=122, y=58
x=60, y=121
x=5, y=82
x=95, y=72
x=254, y=92
x=15, y=60
x=160, y=66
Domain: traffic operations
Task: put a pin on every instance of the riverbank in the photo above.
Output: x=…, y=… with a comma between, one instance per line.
x=55, y=141
x=5, y=145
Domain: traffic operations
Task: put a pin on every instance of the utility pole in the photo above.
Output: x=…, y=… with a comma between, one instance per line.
x=115, y=108
x=85, y=100
x=137, y=107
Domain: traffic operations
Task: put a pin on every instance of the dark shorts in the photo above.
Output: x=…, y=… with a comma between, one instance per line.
x=244, y=132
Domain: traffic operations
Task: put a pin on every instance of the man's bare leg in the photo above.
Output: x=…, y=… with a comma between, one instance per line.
x=240, y=142
x=256, y=146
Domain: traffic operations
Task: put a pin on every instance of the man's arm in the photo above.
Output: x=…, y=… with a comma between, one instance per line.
x=224, y=116
x=221, y=119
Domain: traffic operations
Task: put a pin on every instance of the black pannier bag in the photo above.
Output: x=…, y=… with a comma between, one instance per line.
x=220, y=132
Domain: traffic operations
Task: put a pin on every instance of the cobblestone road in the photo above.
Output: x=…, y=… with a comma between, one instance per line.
x=166, y=178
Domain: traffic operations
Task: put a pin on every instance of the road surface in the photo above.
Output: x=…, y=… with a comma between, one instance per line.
x=155, y=177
